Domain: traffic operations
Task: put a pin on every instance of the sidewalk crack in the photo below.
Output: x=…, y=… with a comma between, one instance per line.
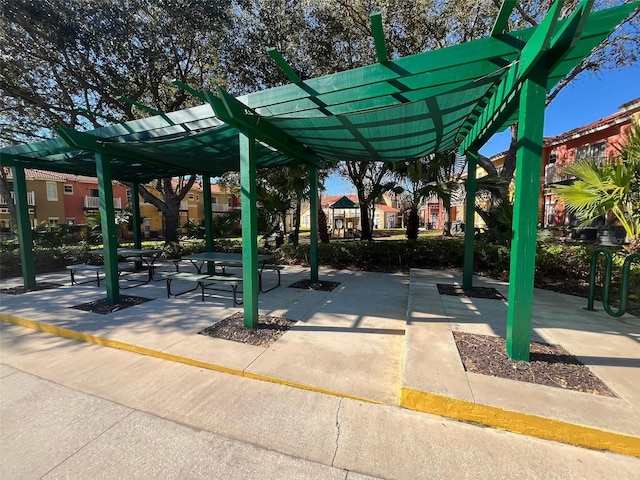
x=335, y=452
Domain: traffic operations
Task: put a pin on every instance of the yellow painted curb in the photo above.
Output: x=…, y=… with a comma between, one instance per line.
x=461, y=410
x=521, y=423
x=88, y=338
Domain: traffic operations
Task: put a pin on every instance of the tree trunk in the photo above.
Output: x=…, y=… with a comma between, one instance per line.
x=323, y=231
x=296, y=227
x=171, y=225
x=364, y=222
x=413, y=223
x=446, y=217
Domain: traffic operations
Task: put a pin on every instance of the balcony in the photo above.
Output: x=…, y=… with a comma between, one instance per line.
x=219, y=207
x=93, y=203
x=554, y=173
x=31, y=199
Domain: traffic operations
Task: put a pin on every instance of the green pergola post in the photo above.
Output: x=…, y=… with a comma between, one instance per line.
x=525, y=216
x=25, y=237
x=135, y=206
x=208, y=222
x=313, y=213
x=248, y=198
x=469, y=220
x=108, y=223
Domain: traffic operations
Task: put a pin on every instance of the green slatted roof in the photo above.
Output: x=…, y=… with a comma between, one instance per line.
x=393, y=111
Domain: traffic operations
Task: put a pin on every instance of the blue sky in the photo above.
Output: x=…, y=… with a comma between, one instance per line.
x=586, y=99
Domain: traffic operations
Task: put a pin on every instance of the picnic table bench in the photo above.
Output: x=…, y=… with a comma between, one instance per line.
x=204, y=282
x=98, y=269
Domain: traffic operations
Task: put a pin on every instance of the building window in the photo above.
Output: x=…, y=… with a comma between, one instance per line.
x=128, y=195
x=52, y=191
x=68, y=189
x=191, y=196
x=229, y=202
x=54, y=220
x=198, y=197
x=553, y=158
x=595, y=151
x=71, y=221
x=93, y=192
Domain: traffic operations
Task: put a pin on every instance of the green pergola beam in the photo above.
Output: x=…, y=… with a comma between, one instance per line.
x=284, y=66
x=504, y=99
x=25, y=237
x=92, y=143
x=546, y=43
x=503, y=17
x=141, y=106
x=99, y=115
x=238, y=115
x=378, y=37
x=189, y=89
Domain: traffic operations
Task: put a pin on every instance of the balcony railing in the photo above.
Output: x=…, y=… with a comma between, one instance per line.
x=219, y=207
x=94, y=203
x=31, y=199
x=554, y=173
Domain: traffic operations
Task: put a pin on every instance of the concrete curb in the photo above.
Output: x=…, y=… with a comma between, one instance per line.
x=521, y=423
x=105, y=342
x=461, y=410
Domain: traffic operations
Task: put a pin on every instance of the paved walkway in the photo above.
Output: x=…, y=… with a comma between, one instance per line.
x=323, y=401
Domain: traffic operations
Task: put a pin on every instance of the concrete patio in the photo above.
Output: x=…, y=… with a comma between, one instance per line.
x=376, y=343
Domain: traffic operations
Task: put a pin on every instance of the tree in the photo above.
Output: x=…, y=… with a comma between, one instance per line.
x=63, y=59
x=437, y=175
x=610, y=187
x=619, y=50
x=173, y=192
x=371, y=180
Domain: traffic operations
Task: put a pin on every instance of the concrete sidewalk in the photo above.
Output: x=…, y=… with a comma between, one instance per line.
x=329, y=390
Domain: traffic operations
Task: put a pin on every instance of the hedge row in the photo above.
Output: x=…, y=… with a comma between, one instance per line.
x=554, y=261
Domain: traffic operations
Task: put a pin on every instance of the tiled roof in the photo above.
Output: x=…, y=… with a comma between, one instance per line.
x=35, y=174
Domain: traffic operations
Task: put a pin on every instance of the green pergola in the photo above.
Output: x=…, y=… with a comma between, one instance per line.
x=393, y=110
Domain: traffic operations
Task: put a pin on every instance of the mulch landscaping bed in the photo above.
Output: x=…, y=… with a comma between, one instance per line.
x=39, y=286
x=476, y=292
x=549, y=365
x=101, y=306
x=322, y=285
x=232, y=328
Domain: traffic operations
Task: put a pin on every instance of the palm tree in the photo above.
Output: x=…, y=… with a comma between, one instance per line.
x=610, y=187
x=421, y=178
